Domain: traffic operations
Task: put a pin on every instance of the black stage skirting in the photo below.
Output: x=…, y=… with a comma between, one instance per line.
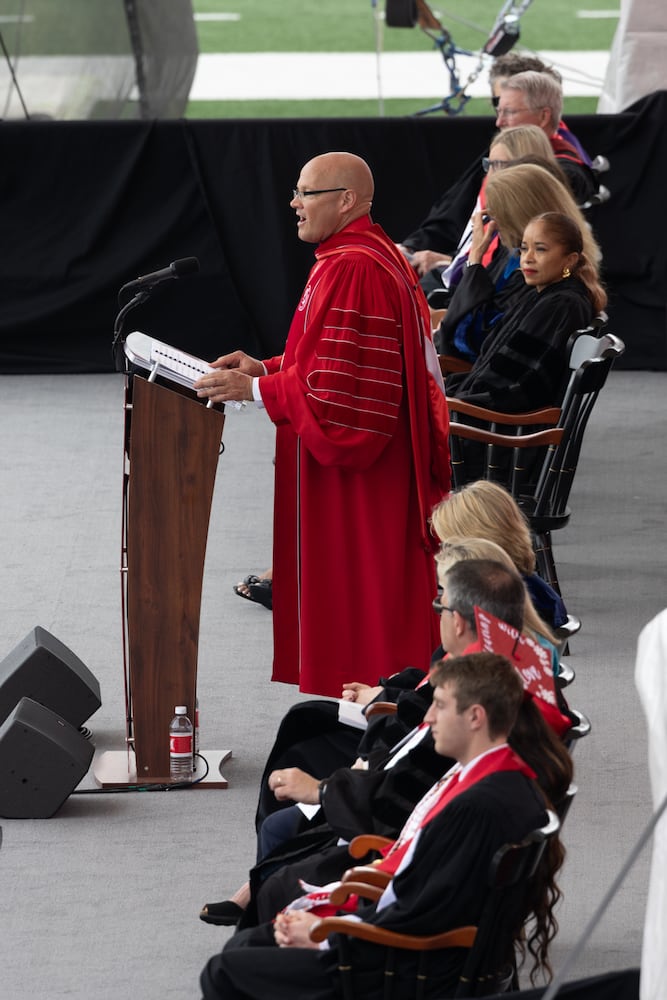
x=87, y=206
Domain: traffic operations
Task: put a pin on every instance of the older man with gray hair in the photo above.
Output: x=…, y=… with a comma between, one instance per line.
x=532, y=98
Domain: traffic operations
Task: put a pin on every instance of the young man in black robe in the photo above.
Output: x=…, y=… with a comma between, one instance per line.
x=378, y=799
x=490, y=798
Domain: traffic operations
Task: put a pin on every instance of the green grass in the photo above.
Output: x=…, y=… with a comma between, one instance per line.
x=349, y=109
x=350, y=26
x=87, y=27
x=309, y=26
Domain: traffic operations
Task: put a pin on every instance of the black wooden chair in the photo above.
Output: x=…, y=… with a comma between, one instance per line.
x=565, y=675
x=565, y=632
x=580, y=728
x=489, y=966
x=563, y=807
x=540, y=484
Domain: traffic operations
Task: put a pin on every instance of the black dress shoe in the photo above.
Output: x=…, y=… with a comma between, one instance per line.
x=225, y=914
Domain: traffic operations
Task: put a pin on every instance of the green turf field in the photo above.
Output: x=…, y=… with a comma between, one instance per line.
x=351, y=26
x=314, y=26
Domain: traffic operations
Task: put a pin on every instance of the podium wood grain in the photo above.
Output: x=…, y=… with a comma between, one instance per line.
x=174, y=443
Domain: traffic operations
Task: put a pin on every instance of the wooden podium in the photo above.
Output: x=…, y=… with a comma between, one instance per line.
x=172, y=444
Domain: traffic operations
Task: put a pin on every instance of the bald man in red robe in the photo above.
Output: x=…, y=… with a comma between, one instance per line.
x=361, y=446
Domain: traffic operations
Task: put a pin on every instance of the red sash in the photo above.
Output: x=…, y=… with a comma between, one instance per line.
x=503, y=759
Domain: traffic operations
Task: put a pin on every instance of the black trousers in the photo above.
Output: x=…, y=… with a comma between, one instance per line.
x=252, y=967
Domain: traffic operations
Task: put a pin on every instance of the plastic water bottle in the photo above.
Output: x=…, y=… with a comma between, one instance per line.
x=180, y=745
x=196, y=729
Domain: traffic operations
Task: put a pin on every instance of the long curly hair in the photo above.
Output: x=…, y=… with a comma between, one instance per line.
x=538, y=745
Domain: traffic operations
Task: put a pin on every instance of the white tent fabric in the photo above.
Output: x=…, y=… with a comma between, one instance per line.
x=651, y=681
x=638, y=61
x=73, y=59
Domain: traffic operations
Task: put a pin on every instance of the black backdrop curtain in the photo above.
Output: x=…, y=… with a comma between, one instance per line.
x=87, y=206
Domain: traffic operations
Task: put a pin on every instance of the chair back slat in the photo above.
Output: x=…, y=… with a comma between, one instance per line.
x=535, y=455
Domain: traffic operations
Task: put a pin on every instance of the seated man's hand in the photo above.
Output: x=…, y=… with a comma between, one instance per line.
x=293, y=783
x=292, y=929
x=362, y=694
x=424, y=261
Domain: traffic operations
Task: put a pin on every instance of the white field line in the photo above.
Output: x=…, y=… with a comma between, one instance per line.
x=348, y=75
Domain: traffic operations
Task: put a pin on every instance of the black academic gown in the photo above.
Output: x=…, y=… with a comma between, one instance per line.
x=375, y=801
x=443, y=887
x=478, y=304
x=524, y=365
x=311, y=737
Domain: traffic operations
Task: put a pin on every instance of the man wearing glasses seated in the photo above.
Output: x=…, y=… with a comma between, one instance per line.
x=524, y=92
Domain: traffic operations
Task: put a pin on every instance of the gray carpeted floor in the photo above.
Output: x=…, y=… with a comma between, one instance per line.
x=102, y=900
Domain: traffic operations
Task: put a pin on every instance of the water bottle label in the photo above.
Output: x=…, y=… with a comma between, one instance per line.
x=181, y=745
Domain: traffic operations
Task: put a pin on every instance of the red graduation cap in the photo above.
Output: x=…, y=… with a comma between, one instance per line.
x=532, y=660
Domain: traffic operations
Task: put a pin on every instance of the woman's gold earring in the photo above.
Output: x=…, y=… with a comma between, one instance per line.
x=566, y=272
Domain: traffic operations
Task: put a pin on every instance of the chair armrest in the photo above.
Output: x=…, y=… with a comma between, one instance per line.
x=365, y=842
x=565, y=675
x=580, y=729
x=551, y=436
x=568, y=628
x=547, y=415
x=368, y=875
x=450, y=364
x=437, y=316
x=461, y=937
x=380, y=708
x=342, y=892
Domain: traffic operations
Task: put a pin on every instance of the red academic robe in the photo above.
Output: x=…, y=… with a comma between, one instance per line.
x=361, y=459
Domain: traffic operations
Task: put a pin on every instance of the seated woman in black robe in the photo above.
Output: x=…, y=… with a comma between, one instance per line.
x=523, y=365
x=478, y=297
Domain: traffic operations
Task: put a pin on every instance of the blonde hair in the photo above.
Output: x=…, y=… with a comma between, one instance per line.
x=458, y=548
x=517, y=195
x=523, y=140
x=483, y=509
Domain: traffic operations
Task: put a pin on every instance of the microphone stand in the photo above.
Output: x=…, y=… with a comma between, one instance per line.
x=117, y=354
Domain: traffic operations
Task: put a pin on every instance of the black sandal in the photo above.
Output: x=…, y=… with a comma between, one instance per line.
x=225, y=914
x=257, y=589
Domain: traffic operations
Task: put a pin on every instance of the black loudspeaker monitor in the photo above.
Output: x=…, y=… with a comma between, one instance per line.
x=44, y=669
x=42, y=760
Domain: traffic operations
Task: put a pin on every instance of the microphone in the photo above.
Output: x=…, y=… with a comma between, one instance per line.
x=177, y=269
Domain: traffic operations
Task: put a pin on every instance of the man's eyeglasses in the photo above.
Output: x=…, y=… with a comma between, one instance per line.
x=487, y=164
x=438, y=607
x=300, y=195
x=510, y=112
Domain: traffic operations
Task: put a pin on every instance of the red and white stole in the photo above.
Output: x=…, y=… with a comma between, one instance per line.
x=503, y=758
x=443, y=792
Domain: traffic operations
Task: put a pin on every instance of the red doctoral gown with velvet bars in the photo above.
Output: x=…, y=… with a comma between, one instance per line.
x=361, y=458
